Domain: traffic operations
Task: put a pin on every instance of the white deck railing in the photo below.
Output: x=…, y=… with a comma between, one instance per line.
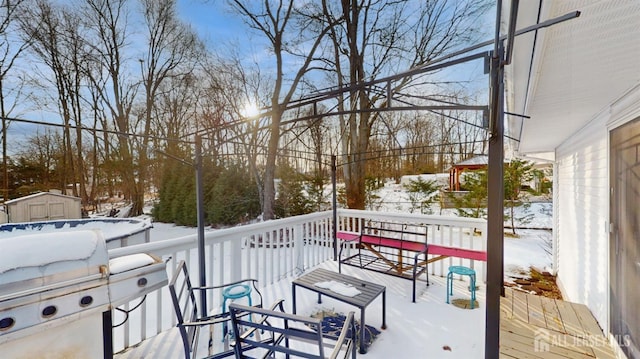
x=271, y=251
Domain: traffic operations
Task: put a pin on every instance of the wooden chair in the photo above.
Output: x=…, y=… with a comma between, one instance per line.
x=289, y=335
x=191, y=321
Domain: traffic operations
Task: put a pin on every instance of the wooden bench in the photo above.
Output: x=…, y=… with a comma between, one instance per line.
x=390, y=249
x=289, y=335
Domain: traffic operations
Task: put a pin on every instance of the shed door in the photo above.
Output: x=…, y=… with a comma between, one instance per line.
x=625, y=237
x=56, y=210
x=46, y=211
x=37, y=212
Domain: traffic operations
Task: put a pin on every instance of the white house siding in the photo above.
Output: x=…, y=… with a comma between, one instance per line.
x=583, y=217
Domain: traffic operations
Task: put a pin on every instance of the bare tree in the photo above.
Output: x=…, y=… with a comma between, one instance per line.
x=231, y=86
x=420, y=133
x=274, y=20
x=171, y=52
x=56, y=35
x=11, y=47
x=380, y=38
x=107, y=20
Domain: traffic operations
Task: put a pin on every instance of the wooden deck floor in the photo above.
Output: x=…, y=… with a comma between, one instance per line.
x=538, y=327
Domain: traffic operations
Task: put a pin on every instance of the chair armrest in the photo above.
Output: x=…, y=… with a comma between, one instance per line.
x=227, y=284
x=254, y=283
x=207, y=321
x=349, y=324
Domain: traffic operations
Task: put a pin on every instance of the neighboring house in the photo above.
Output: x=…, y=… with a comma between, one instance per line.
x=579, y=81
x=43, y=206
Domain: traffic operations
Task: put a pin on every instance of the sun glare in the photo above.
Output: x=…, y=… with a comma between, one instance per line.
x=250, y=110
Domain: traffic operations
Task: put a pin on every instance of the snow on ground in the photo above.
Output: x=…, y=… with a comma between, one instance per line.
x=531, y=247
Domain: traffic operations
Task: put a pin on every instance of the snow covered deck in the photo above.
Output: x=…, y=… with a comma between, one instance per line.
x=429, y=328
x=531, y=326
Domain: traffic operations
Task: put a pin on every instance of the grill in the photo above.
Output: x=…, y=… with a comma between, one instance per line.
x=57, y=290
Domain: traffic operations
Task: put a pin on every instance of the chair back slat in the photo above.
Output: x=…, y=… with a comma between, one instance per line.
x=291, y=334
x=185, y=306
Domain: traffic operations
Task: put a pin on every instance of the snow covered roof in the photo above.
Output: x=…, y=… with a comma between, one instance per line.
x=474, y=161
x=42, y=194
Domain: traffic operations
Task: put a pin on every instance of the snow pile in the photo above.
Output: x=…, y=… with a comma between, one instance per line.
x=38, y=255
x=123, y=264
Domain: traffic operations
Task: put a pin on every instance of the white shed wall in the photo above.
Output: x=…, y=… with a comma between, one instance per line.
x=583, y=218
x=43, y=207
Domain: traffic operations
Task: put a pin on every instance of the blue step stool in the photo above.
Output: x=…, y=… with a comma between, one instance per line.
x=461, y=270
x=232, y=293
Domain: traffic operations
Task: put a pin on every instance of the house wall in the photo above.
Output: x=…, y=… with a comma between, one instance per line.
x=582, y=203
x=583, y=218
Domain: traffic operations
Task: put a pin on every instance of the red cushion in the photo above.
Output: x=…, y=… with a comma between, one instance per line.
x=458, y=252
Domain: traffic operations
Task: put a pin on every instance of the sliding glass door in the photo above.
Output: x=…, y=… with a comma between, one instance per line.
x=625, y=237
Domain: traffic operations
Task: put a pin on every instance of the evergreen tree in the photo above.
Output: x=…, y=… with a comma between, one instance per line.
x=233, y=198
x=474, y=203
x=170, y=191
x=292, y=194
x=516, y=174
x=421, y=194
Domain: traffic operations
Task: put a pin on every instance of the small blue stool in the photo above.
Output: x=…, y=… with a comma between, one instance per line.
x=461, y=270
x=232, y=293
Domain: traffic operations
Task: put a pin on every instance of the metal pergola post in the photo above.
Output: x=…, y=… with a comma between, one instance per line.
x=334, y=203
x=200, y=210
x=197, y=165
x=495, y=206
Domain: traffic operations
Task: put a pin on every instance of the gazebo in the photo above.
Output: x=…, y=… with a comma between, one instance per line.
x=470, y=164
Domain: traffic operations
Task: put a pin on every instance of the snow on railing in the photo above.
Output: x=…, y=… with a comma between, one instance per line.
x=271, y=251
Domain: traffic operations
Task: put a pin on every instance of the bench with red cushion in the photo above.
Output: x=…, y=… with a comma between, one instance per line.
x=396, y=252
x=388, y=248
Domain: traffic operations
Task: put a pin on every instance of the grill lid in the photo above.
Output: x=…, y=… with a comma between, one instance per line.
x=31, y=262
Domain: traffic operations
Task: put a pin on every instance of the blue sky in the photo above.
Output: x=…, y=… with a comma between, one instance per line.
x=212, y=20
x=217, y=27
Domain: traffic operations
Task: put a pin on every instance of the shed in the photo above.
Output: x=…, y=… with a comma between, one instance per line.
x=43, y=206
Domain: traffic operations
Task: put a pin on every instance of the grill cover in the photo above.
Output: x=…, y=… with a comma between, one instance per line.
x=65, y=280
x=47, y=277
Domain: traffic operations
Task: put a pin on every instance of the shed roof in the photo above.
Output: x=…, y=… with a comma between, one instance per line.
x=41, y=194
